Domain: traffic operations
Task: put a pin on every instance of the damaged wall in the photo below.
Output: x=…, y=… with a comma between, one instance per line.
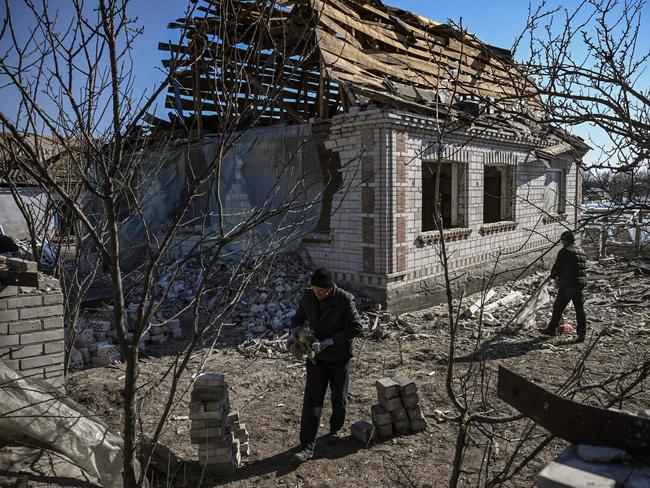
x=378, y=240
x=31, y=330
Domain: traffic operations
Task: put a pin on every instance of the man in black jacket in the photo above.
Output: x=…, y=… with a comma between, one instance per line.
x=570, y=271
x=334, y=319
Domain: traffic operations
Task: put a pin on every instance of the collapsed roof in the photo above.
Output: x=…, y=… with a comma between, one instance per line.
x=271, y=61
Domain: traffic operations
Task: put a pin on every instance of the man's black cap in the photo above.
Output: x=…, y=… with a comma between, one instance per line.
x=567, y=236
x=322, y=278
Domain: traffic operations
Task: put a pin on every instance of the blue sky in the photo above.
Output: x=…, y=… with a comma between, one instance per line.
x=497, y=22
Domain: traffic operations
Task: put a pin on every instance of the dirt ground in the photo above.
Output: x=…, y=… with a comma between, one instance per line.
x=267, y=392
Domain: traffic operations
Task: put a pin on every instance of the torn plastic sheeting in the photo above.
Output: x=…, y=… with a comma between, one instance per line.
x=273, y=171
x=29, y=410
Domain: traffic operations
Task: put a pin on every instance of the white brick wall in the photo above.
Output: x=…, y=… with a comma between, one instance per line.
x=31, y=331
x=376, y=134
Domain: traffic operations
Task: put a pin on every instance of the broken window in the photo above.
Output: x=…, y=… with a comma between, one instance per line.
x=498, y=201
x=450, y=195
x=554, y=193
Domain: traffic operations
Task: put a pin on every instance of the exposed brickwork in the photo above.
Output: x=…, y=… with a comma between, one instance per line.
x=400, y=142
x=400, y=231
x=368, y=169
x=368, y=230
x=400, y=169
x=31, y=330
x=368, y=200
x=369, y=259
x=400, y=254
x=400, y=200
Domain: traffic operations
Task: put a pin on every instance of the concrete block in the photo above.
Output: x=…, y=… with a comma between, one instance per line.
x=208, y=424
x=600, y=454
x=418, y=424
x=387, y=388
x=210, y=379
x=414, y=412
x=411, y=400
x=25, y=301
x=362, y=431
x=49, y=311
x=27, y=351
x=9, y=340
x=207, y=415
x=53, y=323
x=8, y=315
x=402, y=426
x=54, y=371
x=4, y=328
x=43, y=336
x=40, y=361
x=399, y=414
x=385, y=430
x=23, y=327
x=244, y=448
x=31, y=373
x=100, y=361
x=158, y=339
x=391, y=404
x=407, y=385
x=218, y=406
x=8, y=291
x=209, y=394
x=558, y=475
x=100, y=325
x=213, y=451
x=233, y=417
x=204, y=435
x=17, y=264
x=380, y=416
x=85, y=354
x=53, y=299
x=218, y=441
x=241, y=433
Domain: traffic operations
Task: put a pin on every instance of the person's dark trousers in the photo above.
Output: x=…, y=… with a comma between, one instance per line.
x=319, y=375
x=564, y=296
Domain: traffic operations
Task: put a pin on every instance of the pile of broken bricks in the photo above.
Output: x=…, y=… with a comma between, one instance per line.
x=398, y=411
x=221, y=437
x=95, y=341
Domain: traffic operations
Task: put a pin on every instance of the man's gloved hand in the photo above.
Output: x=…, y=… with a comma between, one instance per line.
x=289, y=341
x=319, y=346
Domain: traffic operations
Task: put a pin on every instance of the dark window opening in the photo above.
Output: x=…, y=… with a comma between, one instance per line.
x=449, y=196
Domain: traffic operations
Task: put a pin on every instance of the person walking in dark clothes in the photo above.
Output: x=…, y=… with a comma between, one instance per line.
x=335, y=322
x=570, y=271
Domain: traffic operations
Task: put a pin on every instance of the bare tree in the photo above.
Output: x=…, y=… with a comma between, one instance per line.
x=74, y=78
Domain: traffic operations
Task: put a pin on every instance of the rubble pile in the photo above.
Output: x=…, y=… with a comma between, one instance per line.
x=95, y=341
x=268, y=309
x=221, y=438
x=398, y=410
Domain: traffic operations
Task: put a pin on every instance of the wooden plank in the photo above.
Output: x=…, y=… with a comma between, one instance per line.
x=572, y=421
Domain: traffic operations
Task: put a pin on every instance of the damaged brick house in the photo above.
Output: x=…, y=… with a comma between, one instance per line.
x=395, y=102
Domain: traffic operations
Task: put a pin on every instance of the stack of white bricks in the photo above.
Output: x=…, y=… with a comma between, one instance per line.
x=95, y=340
x=160, y=333
x=219, y=450
x=398, y=410
x=239, y=433
x=93, y=344
x=31, y=327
